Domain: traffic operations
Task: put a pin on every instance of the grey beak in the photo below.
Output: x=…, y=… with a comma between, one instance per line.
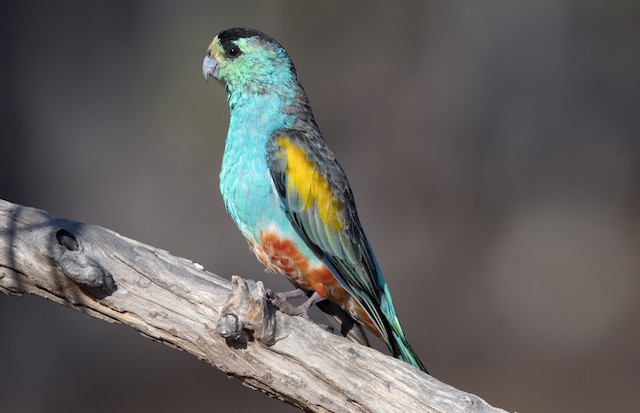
x=209, y=68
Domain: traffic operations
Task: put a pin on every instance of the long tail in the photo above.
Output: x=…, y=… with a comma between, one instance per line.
x=378, y=309
x=403, y=350
x=398, y=343
x=386, y=325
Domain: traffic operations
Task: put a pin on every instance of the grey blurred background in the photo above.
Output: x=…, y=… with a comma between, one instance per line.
x=493, y=148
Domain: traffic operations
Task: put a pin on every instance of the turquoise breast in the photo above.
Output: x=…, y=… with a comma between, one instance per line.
x=245, y=179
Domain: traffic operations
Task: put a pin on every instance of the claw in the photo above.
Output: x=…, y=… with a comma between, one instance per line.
x=340, y=319
x=281, y=300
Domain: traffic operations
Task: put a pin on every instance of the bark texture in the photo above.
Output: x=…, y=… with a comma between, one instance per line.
x=231, y=325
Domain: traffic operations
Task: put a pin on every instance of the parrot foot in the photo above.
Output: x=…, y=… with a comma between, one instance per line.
x=281, y=301
x=341, y=321
x=279, y=298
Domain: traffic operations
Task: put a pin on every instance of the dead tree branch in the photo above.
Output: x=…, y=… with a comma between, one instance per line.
x=173, y=300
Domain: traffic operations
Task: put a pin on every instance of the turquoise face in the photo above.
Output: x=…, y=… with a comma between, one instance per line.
x=250, y=65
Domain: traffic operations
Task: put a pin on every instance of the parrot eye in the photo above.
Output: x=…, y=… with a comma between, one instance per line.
x=234, y=51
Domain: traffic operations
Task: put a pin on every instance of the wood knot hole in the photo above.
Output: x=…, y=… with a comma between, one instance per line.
x=67, y=240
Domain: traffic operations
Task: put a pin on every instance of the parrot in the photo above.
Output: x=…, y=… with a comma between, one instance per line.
x=287, y=193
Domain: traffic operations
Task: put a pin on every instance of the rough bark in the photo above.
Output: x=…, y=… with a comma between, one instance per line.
x=173, y=300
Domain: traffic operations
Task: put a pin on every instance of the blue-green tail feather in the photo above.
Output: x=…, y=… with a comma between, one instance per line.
x=381, y=310
x=403, y=350
x=398, y=342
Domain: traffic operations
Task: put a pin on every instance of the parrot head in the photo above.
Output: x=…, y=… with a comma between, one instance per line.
x=247, y=60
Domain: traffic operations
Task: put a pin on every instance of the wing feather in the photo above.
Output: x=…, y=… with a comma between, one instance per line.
x=317, y=198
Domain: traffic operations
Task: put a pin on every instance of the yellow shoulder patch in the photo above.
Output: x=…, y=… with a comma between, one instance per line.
x=310, y=184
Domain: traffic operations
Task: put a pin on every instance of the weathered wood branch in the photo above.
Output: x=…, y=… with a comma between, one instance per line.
x=173, y=300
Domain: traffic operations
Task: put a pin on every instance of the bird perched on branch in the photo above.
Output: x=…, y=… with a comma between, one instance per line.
x=286, y=191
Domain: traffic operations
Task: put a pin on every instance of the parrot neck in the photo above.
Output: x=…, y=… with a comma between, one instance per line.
x=255, y=116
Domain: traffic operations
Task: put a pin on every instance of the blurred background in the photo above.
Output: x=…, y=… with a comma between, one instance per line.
x=493, y=148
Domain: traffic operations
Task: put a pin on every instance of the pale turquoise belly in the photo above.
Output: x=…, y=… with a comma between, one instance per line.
x=253, y=203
